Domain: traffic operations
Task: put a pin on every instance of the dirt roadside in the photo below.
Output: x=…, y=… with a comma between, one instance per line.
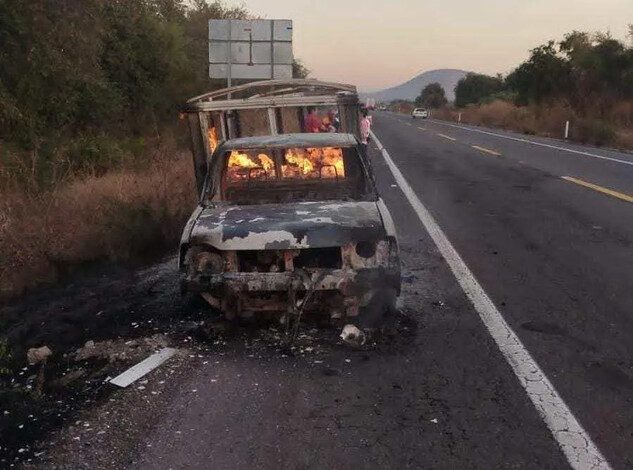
x=121, y=315
x=99, y=326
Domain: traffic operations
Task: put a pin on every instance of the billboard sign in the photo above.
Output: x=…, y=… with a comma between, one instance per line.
x=250, y=49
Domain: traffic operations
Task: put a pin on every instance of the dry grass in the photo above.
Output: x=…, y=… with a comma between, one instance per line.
x=624, y=139
x=622, y=114
x=123, y=215
x=549, y=121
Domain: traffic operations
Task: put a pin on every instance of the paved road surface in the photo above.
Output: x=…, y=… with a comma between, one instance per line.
x=553, y=255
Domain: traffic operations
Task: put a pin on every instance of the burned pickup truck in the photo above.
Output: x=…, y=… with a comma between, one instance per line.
x=289, y=223
x=281, y=216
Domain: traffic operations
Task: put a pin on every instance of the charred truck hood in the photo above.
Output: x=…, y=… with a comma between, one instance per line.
x=285, y=227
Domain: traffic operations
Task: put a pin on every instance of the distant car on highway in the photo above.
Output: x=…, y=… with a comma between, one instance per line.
x=419, y=113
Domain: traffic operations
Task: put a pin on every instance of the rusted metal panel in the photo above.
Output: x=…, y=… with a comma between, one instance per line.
x=275, y=102
x=289, y=256
x=349, y=118
x=272, y=121
x=224, y=126
x=198, y=143
x=293, y=85
x=349, y=282
x=291, y=120
x=292, y=140
x=253, y=122
x=204, y=131
x=358, y=284
x=231, y=262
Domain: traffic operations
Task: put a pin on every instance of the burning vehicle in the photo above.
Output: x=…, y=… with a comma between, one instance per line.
x=291, y=223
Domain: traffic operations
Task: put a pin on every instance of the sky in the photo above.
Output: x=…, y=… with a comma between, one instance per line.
x=375, y=44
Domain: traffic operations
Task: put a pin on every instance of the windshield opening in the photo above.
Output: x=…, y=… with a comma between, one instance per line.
x=319, y=162
x=287, y=174
x=246, y=165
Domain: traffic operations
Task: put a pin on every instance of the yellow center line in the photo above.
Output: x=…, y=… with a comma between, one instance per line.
x=595, y=187
x=447, y=137
x=422, y=128
x=484, y=149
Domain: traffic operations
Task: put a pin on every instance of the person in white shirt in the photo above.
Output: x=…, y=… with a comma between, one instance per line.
x=365, y=126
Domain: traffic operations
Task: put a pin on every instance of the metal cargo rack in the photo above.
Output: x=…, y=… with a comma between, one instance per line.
x=268, y=107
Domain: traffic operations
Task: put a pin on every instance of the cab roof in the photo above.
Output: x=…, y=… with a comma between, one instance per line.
x=330, y=139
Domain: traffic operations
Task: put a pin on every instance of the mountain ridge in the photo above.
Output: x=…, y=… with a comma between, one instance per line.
x=410, y=89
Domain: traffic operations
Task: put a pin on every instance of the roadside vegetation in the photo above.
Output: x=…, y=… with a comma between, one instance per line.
x=93, y=159
x=432, y=97
x=127, y=214
x=586, y=79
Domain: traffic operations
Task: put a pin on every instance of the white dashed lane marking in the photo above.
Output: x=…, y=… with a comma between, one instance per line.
x=540, y=144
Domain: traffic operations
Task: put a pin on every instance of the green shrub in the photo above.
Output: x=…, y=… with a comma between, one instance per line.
x=592, y=131
x=98, y=154
x=500, y=96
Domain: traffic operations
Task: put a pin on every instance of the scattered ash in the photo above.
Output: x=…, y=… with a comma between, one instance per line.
x=98, y=327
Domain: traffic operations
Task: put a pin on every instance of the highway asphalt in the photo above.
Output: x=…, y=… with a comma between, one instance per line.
x=553, y=255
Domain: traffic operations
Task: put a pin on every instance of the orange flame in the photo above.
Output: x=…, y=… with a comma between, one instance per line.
x=297, y=163
x=316, y=162
x=333, y=157
x=213, y=138
x=239, y=161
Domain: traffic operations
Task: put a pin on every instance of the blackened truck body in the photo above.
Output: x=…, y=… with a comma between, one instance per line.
x=287, y=221
x=284, y=215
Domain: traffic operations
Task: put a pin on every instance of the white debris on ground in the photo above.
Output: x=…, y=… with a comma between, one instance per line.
x=105, y=436
x=352, y=335
x=38, y=355
x=143, y=368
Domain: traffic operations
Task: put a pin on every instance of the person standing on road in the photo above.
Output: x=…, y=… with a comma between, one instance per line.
x=365, y=126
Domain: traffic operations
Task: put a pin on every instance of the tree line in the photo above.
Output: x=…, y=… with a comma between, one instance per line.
x=586, y=71
x=76, y=68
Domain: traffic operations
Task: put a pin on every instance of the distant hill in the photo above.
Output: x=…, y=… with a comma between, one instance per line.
x=448, y=78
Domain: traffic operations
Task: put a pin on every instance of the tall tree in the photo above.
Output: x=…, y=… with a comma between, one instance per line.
x=73, y=67
x=299, y=70
x=474, y=87
x=582, y=69
x=544, y=75
x=432, y=96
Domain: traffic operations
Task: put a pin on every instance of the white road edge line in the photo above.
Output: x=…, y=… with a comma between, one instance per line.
x=540, y=144
x=580, y=450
